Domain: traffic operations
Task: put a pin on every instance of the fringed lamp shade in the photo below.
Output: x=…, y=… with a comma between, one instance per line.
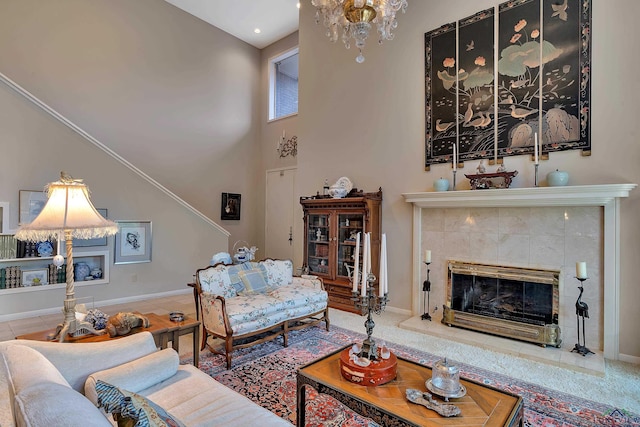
x=67, y=209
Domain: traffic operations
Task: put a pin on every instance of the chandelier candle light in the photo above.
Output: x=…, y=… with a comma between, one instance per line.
x=68, y=214
x=354, y=18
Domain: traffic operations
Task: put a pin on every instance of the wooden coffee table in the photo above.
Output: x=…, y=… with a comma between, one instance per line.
x=161, y=327
x=387, y=404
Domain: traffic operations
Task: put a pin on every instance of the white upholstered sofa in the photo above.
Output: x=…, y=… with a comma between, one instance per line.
x=50, y=384
x=258, y=300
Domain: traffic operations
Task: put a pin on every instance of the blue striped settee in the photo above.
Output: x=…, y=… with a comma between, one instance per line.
x=261, y=300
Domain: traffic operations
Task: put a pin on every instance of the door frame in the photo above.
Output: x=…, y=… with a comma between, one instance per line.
x=295, y=229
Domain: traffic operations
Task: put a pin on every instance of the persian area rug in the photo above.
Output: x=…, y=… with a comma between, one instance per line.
x=266, y=374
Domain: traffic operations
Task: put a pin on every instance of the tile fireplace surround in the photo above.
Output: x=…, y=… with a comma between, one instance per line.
x=541, y=227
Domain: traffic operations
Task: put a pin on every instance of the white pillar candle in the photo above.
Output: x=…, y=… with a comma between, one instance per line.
x=364, y=265
x=581, y=270
x=535, y=148
x=455, y=157
x=383, y=261
x=427, y=256
x=356, y=264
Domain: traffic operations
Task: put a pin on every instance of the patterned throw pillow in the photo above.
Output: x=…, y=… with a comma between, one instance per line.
x=279, y=272
x=253, y=281
x=216, y=280
x=128, y=407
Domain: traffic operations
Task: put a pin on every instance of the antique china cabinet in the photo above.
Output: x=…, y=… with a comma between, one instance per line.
x=330, y=229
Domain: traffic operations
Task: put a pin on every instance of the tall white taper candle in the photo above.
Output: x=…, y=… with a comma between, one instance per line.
x=356, y=264
x=455, y=157
x=365, y=267
x=382, y=283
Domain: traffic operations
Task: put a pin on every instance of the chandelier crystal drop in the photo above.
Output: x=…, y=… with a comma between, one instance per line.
x=353, y=19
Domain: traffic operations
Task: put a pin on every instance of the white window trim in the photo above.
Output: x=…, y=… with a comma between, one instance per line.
x=272, y=82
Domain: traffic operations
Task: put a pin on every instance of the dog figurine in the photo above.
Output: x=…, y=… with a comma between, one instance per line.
x=122, y=323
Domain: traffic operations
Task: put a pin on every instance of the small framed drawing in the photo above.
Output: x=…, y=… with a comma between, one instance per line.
x=230, y=208
x=35, y=277
x=99, y=241
x=133, y=242
x=31, y=203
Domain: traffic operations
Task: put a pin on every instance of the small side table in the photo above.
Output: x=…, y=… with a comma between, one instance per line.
x=173, y=330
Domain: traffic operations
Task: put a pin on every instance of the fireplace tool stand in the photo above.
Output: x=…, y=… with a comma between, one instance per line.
x=582, y=311
x=426, y=294
x=367, y=304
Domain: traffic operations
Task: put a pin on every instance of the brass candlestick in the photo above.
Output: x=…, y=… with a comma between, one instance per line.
x=368, y=304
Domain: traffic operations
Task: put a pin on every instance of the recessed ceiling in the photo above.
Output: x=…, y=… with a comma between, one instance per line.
x=275, y=18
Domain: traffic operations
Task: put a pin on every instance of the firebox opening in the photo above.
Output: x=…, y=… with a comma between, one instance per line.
x=520, y=301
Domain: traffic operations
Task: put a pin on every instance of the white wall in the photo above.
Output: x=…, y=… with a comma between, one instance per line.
x=172, y=94
x=271, y=133
x=366, y=121
x=36, y=147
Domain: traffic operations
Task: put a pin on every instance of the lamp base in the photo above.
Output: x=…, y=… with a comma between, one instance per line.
x=77, y=328
x=72, y=326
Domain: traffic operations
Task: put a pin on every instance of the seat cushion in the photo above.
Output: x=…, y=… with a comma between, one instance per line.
x=200, y=401
x=297, y=295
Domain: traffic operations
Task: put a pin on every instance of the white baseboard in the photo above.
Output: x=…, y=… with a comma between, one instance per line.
x=629, y=359
x=98, y=304
x=398, y=310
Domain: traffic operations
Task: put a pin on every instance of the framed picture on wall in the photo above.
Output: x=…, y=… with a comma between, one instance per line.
x=4, y=217
x=132, y=242
x=31, y=204
x=230, y=208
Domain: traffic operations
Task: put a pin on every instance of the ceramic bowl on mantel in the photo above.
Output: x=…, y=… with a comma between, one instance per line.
x=557, y=178
x=441, y=184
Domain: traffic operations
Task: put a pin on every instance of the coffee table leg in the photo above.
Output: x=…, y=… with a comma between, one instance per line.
x=175, y=340
x=196, y=346
x=301, y=398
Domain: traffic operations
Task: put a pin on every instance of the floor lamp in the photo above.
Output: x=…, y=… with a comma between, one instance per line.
x=68, y=214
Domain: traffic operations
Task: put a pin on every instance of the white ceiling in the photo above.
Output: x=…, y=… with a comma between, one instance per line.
x=275, y=18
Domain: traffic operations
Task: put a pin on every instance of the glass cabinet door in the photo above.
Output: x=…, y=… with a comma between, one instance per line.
x=349, y=224
x=318, y=244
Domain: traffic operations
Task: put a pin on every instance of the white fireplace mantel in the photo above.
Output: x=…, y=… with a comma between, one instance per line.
x=579, y=195
x=606, y=195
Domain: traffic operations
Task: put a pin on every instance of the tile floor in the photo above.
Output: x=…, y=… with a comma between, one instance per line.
x=163, y=306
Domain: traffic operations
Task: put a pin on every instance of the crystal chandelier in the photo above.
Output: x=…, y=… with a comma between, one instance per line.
x=354, y=18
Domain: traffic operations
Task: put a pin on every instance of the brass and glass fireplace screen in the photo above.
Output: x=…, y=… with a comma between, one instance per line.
x=514, y=302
